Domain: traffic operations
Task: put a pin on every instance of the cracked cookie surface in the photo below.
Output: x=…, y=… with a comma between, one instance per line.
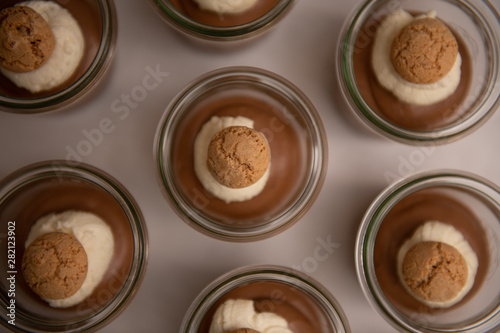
x=435, y=271
x=55, y=265
x=424, y=51
x=26, y=40
x=238, y=156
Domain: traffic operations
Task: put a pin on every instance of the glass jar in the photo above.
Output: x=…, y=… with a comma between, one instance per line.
x=292, y=128
x=97, y=19
x=308, y=303
x=56, y=186
x=477, y=28
x=466, y=201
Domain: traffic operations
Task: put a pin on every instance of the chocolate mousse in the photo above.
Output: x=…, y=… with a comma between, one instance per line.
x=280, y=298
x=192, y=9
x=400, y=223
x=441, y=44
x=288, y=166
x=87, y=15
x=58, y=194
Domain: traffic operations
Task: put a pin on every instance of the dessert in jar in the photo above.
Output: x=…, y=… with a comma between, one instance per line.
x=415, y=72
x=278, y=184
x=431, y=252
x=42, y=45
x=61, y=209
x=265, y=299
x=80, y=246
x=427, y=253
x=236, y=154
x=53, y=52
x=403, y=102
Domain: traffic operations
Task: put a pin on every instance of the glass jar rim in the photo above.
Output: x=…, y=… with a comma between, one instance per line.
x=216, y=33
x=85, y=83
x=269, y=80
x=371, y=221
x=482, y=12
x=276, y=273
x=84, y=172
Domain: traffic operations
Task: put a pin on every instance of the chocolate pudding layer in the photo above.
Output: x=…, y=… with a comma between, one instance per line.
x=55, y=194
x=288, y=145
x=389, y=107
x=283, y=299
x=399, y=224
x=87, y=15
x=191, y=9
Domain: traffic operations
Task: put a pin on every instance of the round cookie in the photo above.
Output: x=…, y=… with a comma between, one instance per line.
x=238, y=156
x=435, y=271
x=55, y=265
x=26, y=40
x=424, y=51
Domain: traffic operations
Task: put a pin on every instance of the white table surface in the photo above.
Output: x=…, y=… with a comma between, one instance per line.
x=182, y=261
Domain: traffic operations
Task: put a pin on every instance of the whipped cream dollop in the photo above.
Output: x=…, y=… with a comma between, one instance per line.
x=96, y=238
x=240, y=313
x=226, y=6
x=436, y=231
x=389, y=78
x=201, y=143
x=67, y=53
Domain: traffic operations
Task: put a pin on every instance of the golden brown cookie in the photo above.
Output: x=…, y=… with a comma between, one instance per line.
x=26, y=40
x=242, y=330
x=238, y=156
x=424, y=51
x=55, y=265
x=435, y=271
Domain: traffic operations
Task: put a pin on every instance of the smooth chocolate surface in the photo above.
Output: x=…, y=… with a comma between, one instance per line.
x=58, y=194
x=389, y=107
x=289, y=157
x=87, y=15
x=191, y=9
x=400, y=223
x=285, y=300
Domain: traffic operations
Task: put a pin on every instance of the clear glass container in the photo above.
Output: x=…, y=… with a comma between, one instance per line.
x=414, y=200
x=190, y=27
x=292, y=127
x=477, y=28
x=98, y=21
x=55, y=186
x=309, y=304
